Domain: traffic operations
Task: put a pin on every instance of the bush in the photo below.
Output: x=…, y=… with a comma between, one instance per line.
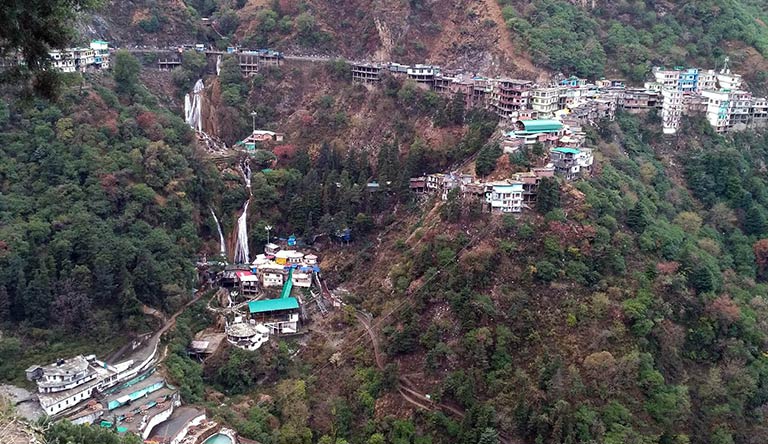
x=546, y=271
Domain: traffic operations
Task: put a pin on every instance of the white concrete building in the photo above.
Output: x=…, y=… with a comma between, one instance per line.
x=504, y=197
x=727, y=110
x=68, y=382
x=301, y=279
x=246, y=335
x=545, y=101
x=63, y=61
x=672, y=108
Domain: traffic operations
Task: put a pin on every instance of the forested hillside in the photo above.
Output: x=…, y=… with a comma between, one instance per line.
x=100, y=202
x=631, y=309
x=587, y=38
x=627, y=307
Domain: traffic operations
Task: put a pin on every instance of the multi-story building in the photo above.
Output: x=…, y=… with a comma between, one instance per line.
x=531, y=180
x=504, y=197
x=63, y=61
x=759, y=112
x=727, y=110
x=68, y=382
x=683, y=80
x=638, y=99
x=508, y=96
x=81, y=59
x=100, y=53
x=707, y=80
x=571, y=163
x=726, y=79
x=422, y=73
x=672, y=108
x=366, y=72
x=545, y=100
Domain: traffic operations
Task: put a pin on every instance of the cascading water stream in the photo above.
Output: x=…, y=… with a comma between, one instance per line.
x=222, y=244
x=242, y=255
x=193, y=104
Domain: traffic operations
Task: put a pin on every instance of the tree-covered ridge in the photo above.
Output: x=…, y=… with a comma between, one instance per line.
x=99, y=198
x=631, y=312
x=631, y=36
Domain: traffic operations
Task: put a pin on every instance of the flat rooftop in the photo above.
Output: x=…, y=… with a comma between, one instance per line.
x=67, y=366
x=243, y=330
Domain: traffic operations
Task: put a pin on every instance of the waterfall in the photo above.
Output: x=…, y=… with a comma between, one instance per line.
x=245, y=168
x=222, y=245
x=218, y=65
x=242, y=255
x=193, y=104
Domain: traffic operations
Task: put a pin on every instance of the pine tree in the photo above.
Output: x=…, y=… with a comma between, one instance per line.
x=5, y=305
x=637, y=218
x=486, y=159
x=548, y=195
x=754, y=221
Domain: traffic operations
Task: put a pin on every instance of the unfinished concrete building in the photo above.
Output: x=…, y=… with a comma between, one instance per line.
x=423, y=73
x=366, y=72
x=268, y=57
x=635, y=100
x=165, y=63
x=508, y=96
x=249, y=63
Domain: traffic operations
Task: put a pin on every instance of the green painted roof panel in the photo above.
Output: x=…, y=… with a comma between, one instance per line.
x=567, y=150
x=542, y=125
x=273, y=305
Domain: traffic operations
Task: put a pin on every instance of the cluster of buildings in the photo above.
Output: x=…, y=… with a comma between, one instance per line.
x=93, y=58
x=507, y=97
x=250, y=61
x=129, y=396
x=717, y=95
x=497, y=197
x=275, y=268
x=567, y=159
x=259, y=138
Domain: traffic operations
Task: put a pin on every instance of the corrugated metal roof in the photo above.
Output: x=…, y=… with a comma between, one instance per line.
x=542, y=125
x=567, y=150
x=273, y=305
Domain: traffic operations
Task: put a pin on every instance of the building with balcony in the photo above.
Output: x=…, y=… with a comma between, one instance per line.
x=504, y=197
x=545, y=101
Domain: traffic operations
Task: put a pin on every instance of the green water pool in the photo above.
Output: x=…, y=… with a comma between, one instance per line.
x=219, y=439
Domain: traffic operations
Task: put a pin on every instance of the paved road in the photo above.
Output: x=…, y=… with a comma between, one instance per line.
x=296, y=57
x=178, y=420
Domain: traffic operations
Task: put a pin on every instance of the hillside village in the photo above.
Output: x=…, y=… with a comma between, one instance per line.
x=715, y=94
x=279, y=292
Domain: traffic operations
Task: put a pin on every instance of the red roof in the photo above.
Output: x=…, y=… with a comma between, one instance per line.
x=242, y=273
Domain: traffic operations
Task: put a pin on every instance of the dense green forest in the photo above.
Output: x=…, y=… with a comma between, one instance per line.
x=100, y=198
x=631, y=36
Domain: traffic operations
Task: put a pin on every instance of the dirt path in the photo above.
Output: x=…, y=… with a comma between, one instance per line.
x=408, y=391
x=374, y=339
x=154, y=340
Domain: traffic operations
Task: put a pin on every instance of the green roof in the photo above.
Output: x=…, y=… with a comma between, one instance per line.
x=273, y=305
x=567, y=150
x=288, y=285
x=542, y=125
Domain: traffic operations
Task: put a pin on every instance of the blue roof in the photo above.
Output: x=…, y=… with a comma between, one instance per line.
x=268, y=305
x=567, y=150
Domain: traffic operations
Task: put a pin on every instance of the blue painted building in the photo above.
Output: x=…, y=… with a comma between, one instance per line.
x=688, y=80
